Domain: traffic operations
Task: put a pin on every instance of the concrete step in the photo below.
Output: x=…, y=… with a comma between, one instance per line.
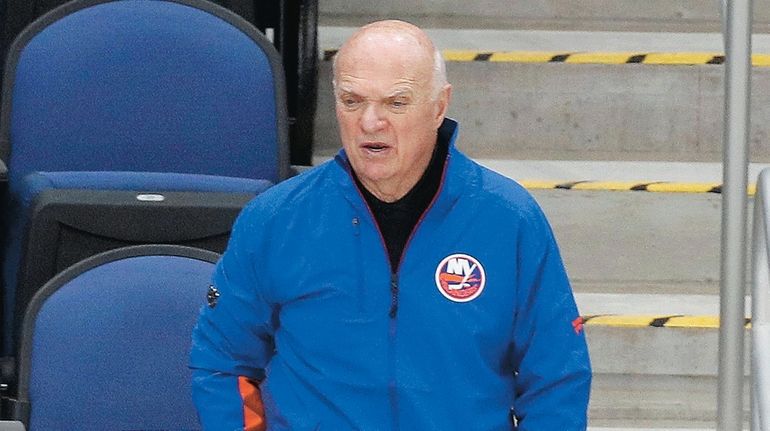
x=637, y=242
x=655, y=377
x=640, y=401
x=659, y=376
x=654, y=335
x=667, y=426
x=636, y=256
x=652, y=15
x=512, y=109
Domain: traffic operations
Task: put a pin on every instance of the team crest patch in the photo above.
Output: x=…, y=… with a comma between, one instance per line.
x=460, y=277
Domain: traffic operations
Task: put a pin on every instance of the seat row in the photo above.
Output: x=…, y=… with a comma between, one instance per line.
x=124, y=122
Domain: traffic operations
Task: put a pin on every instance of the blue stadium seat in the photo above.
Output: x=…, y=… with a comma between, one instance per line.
x=106, y=342
x=292, y=24
x=64, y=217
x=11, y=426
x=144, y=85
x=138, y=88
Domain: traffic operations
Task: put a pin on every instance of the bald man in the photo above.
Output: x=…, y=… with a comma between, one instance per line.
x=400, y=286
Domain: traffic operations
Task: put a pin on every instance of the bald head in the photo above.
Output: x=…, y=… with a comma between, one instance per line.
x=391, y=96
x=413, y=46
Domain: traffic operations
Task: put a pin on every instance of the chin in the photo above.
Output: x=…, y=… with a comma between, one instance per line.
x=375, y=173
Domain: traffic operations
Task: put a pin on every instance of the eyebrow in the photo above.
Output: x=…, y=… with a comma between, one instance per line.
x=400, y=92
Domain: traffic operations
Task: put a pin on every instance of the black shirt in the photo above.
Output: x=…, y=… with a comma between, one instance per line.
x=396, y=220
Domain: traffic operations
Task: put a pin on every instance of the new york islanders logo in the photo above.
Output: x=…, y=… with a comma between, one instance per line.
x=460, y=278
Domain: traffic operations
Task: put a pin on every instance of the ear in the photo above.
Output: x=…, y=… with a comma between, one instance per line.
x=442, y=104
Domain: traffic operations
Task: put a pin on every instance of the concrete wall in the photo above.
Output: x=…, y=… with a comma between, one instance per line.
x=694, y=15
x=585, y=112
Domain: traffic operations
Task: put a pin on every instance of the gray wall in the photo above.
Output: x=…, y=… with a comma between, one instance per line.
x=680, y=15
x=585, y=112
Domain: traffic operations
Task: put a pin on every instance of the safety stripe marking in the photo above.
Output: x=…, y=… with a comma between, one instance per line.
x=647, y=321
x=651, y=58
x=600, y=58
x=655, y=187
x=559, y=58
x=660, y=322
x=514, y=57
x=568, y=186
x=719, y=59
x=609, y=185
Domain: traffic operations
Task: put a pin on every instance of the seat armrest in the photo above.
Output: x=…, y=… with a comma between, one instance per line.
x=11, y=426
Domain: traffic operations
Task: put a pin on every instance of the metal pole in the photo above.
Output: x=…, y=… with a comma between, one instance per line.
x=734, y=202
x=760, y=308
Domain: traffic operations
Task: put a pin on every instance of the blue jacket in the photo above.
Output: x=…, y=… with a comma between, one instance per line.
x=477, y=330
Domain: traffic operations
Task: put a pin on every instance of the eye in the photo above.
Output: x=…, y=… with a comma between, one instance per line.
x=398, y=103
x=349, y=101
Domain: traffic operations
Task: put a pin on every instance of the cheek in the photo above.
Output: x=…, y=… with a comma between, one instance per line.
x=346, y=125
x=415, y=136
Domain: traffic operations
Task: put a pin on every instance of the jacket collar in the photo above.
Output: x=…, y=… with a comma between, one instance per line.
x=459, y=177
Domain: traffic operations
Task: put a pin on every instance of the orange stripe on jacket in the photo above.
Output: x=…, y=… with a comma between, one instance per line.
x=253, y=409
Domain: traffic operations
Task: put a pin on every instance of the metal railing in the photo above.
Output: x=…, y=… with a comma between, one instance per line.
x=760, y=307
x=737, y=38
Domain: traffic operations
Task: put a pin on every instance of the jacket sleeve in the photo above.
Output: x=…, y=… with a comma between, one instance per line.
x=553, y=371
x=233, y=339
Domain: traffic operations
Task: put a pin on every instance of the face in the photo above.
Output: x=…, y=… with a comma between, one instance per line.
x=387, y=113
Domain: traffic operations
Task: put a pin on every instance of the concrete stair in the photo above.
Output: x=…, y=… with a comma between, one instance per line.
x=576, y=111
x=622, y=15
x=644, y=254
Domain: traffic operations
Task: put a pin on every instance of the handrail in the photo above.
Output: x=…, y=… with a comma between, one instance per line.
x=760, y=306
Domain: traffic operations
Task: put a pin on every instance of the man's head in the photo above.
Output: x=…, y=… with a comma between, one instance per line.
x=391, y=96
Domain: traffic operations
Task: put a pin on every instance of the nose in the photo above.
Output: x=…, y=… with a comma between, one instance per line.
x=372, y=119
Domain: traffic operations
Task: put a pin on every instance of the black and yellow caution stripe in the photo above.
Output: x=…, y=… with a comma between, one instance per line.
x=655, y=187
x=654, y=321
x=651, y=58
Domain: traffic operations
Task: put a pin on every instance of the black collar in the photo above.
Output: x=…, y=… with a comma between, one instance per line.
x=396, y=220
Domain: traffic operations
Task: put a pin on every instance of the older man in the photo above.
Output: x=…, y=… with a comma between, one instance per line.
x=398, y=286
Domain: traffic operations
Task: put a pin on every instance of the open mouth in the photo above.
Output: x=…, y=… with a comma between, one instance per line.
x=375, y=147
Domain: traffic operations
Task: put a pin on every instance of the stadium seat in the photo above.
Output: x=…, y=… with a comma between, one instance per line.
x=139, y=88
x=144, y=85
x=11, y=426
x=68, y=216
x=106, y=342
x=293, y=30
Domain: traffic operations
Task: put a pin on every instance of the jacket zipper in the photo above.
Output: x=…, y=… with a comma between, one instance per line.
x=394, y=287
x=393, y=295
x=394, y=274
x=394, y=283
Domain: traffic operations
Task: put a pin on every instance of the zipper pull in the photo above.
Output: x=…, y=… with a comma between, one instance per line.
x=393, y=296
x=356, y=222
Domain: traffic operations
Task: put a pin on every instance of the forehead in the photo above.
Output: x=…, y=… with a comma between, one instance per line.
x=383, y=63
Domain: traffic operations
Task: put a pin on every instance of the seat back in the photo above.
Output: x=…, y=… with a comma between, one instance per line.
x=179, y=86
x=292, y=25
x=105, y=343
x=70, y=216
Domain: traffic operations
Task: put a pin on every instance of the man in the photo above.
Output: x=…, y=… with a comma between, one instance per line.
x=398, y=286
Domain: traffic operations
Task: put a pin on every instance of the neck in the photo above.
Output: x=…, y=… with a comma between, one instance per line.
x=390, y=191
x=394, y=188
